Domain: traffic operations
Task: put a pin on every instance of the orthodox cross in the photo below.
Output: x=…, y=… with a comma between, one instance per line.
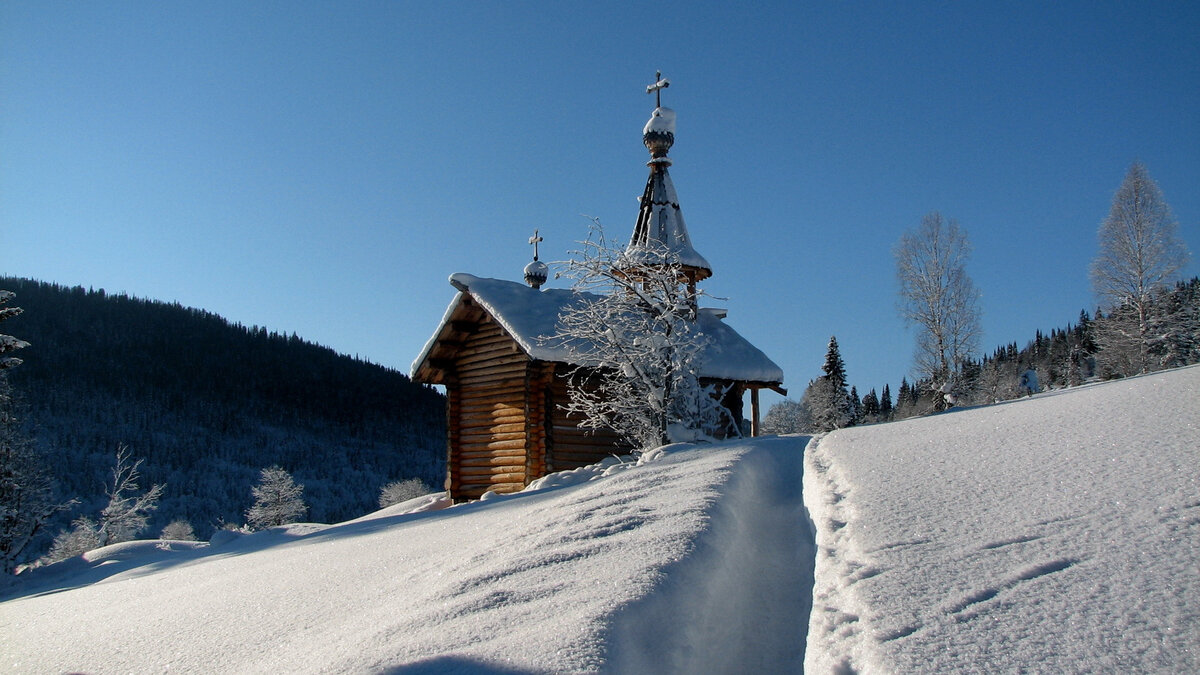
x=534, y=242
x=657, y=87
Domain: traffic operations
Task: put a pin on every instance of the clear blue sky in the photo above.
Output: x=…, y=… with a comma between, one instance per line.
x=322, y=168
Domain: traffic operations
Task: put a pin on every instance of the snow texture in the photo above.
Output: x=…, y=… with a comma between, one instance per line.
x=1060, y=533
x=1056, y=533
x=564, y=577
x=661, y=120
x=531, y=318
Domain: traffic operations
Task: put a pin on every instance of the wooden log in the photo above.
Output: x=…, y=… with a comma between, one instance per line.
x=477, y=397
x=476, y=436
x=496, y=479
x=491, y=387
x=506, y=472
x=487, y=445
x=483, y=426
x=499, y=458
x=492, y=419
x=473, y=371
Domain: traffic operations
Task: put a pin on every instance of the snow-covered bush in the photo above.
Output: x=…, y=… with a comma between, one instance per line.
x=178, y=530
x=402, y=490
x=81, y=538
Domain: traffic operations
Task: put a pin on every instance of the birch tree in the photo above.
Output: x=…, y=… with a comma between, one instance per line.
x=128, y=509
x=1140, y=256
x=633, y=331
x=938, y=297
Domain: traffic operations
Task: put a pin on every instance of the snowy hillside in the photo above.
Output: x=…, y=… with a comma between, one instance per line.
x=1058, y=533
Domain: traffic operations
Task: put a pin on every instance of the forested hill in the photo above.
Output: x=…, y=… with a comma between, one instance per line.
x=208, y=404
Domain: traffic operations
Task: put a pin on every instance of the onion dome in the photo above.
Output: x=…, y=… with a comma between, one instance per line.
x=536, y=273
x=660, y=228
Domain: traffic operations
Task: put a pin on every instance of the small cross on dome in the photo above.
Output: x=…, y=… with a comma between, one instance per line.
x=660, y=83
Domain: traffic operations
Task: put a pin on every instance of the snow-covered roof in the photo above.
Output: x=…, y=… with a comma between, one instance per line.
x=530, y=317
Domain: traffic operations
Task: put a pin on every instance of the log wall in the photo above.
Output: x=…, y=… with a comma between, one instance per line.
x=489, y=416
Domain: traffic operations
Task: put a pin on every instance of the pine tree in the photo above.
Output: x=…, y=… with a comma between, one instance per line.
x=835, y=367
x=871, y=409
x=885, y=404
x=26, y=489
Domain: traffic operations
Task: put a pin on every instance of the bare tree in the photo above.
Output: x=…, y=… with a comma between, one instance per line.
x=938, y=297
x=1140, y=255
x=278, y=500
x=633, y=331
x=127, y=511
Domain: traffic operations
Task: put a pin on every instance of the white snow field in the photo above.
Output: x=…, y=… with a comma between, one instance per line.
x=672, y=565
x=1055, y=534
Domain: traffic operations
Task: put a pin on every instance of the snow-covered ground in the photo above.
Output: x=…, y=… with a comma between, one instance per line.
x=670, y=566
x=1058, y=533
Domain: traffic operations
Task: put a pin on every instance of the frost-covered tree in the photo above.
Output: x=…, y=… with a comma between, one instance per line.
x=83, y=536
x=633, y=331
x=27, y=501
x=826, y=404
x=26, y=489
x=128, y=510
x=1140, y=256
x=826, y=398
x=402, y=490
x=8, y=343
x=938, y=297
x=278, y=500
x=787, y=417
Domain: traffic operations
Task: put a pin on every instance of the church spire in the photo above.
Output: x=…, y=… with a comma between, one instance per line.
x=660, y=226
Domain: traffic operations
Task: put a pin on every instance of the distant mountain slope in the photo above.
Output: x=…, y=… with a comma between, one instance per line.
x=208, y=404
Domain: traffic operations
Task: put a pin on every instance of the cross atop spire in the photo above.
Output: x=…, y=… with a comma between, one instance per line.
x=534, y=241
x=660, y=83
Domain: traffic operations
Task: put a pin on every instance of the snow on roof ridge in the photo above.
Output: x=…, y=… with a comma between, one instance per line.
x=530, y=317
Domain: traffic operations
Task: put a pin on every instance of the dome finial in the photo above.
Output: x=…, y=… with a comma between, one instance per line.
x=536, y=272
x=659, y=133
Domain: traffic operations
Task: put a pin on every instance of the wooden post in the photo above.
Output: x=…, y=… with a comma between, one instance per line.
x=754, y=412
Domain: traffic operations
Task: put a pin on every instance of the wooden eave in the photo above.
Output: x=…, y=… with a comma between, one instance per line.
x=437, y=366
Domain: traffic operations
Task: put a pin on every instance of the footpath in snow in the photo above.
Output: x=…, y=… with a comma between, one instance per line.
x=1055, y=534
x=692, y=560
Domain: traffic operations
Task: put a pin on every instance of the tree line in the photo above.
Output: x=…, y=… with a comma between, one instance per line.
x=206, y=404
x=1147, y=320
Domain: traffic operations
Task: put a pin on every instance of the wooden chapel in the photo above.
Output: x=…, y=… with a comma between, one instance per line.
x=505, y=381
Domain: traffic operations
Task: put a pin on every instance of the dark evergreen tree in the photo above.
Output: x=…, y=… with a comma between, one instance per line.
x=870, y=407
x=834, y=368
x=885, y=404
